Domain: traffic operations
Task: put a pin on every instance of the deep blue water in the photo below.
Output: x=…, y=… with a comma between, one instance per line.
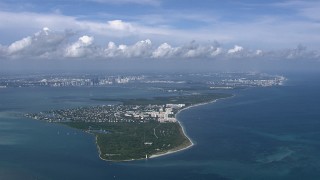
x=261, y=133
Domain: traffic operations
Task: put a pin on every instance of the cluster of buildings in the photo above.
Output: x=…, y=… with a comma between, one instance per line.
x=68, y=81
x=160, y=113
x=112, y=113
x=247, y=82
x=61, y=82
x=215, y=81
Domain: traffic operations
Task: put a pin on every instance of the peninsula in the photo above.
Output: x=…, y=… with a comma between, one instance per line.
x=134, y=128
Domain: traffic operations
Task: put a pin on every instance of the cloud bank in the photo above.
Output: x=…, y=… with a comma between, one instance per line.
x=49, y=44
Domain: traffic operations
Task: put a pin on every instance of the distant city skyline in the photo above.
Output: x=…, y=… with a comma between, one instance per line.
x=159, y=29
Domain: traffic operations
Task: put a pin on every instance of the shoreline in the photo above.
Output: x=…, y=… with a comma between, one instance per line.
x=184, y=133
x=183, y=130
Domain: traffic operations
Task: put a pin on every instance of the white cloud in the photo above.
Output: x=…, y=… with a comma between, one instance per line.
x=112, y=50
x=299, y=52
x=191, y=50
x=270, y=31
x=164, y=51
x=85, y=40
x=46, y=30
x=259, y=52
x=80, y=48
x=236, y=49
x=120, y=25
x=141, y=49
x=216, y=51
x=40, y=44
x=48, y=44
x=19, y=45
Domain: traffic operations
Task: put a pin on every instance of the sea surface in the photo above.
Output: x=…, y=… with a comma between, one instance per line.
x=260, y=133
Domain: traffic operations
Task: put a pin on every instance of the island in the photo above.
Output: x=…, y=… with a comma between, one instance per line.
x=132, y=129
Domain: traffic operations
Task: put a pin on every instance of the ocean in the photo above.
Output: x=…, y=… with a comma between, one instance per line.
x=260, y=133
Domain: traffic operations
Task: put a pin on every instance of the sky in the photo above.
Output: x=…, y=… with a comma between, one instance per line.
x=177, y=30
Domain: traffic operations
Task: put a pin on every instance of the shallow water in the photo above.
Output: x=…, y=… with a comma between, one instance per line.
x=261, y=133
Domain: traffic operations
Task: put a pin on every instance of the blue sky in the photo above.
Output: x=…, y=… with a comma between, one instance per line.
x=184, y=28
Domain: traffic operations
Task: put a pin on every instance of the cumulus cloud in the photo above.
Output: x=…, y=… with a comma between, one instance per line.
x=111, y=51
x=191, y=50
x=142, y=49
x=48, y=44
x=20, y=45
x=236, y=49
x=80, y=48
x=41, y=44
x=300, y=52
x=259, y=52
x=207, y=51
x=164, y=51
x=161, y=25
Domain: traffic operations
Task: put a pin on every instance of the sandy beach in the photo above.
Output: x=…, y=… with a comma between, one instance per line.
x=178, y=149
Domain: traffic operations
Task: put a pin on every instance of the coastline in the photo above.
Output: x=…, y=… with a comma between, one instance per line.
x=178, y=149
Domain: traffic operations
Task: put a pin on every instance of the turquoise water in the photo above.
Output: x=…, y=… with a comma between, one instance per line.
x=261, y=133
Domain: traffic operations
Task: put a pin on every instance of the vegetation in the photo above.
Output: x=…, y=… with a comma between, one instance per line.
x=185, y=99
x=119, y=141
x=126, y=141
